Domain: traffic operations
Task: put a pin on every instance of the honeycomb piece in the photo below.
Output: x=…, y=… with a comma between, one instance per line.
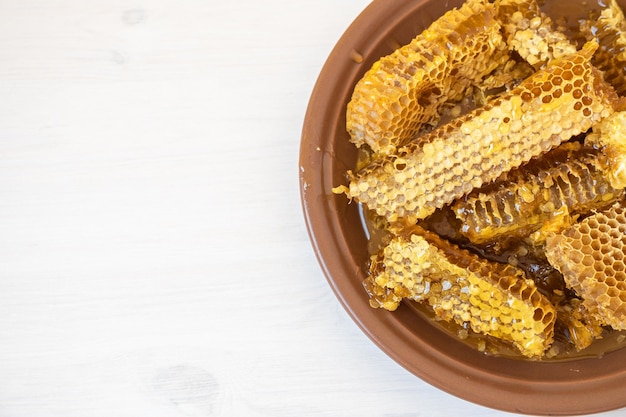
x=582, y=328
x=404, y=91
x=491, y=298
x=531, y=33
x=590, y=255
x=551, y=106
x=609, y=136
x=566, y=181
x=609, y=30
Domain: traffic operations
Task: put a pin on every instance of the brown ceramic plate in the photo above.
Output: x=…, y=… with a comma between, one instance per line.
x=580, y=386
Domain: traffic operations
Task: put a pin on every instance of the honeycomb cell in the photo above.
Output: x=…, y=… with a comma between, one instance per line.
x=595, y=244
x=588, y=261
x=610, y=280
x=599, y=278
x=578, y=70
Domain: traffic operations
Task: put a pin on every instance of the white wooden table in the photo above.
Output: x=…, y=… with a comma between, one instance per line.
x=153, y=255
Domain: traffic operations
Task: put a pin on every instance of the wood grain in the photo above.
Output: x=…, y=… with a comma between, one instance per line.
x=154, y=260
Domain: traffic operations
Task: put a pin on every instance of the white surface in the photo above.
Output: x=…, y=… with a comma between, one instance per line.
x=153, y=256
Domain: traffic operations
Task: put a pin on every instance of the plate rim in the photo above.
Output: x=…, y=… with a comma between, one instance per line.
x=444, y=370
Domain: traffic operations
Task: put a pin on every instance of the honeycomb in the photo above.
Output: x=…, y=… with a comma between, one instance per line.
x=609, y=30
x=549, y=107
x=491, y=298
x=609, y=137
x=590, y=255
x=495, y=153
x=567, y=181
x=531, y=33
x=405, y=90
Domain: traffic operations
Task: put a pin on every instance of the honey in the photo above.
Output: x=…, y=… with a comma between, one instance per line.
x=492, y=177
x=533, y=262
